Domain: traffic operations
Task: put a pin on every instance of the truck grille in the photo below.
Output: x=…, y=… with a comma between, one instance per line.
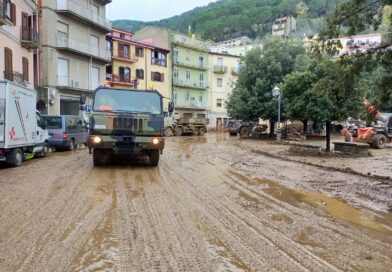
x=134, y=124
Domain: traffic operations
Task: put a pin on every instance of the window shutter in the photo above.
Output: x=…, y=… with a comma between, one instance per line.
x=8, y=63
x=25, y=63
x=142, y=75
x=13, y=14
x=152, y=76
x=162, y=77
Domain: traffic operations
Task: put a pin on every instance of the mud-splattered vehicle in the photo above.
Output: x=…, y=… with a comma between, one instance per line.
x=126, y=123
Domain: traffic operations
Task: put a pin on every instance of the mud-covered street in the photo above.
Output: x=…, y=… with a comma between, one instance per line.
x=211, y=205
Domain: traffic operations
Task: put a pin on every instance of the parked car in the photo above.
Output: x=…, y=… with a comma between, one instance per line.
x=66, y=131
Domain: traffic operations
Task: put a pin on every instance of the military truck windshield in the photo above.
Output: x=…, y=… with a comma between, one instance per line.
x=127, y=101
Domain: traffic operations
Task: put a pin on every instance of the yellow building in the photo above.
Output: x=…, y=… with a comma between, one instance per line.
x=137, y=65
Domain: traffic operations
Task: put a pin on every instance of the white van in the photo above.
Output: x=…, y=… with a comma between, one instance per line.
x=22, y=129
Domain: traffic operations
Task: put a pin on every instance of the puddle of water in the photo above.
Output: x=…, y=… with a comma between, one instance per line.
x=372, y=220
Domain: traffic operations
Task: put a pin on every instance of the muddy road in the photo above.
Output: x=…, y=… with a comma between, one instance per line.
x=209, y=206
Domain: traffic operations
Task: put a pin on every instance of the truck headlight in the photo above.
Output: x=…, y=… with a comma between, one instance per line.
x=155, y=141
x=97, y=140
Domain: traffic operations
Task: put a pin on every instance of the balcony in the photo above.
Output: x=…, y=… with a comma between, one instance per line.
x=200, y=66
x=29, y=37
x=235, y=71
x=15, y=77
x=125, y=56
x=220, y=69
x=159, y=62
x=78, y=47
x=2, y=13
x=121, y=80
x=200, y=85
x=190, y=43
x=82, y=12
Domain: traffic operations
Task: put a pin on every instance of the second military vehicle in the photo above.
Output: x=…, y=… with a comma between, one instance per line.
x=126, y=123
x=186, y=121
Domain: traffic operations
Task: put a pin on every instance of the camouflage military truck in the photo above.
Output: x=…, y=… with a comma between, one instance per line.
x=186, y=121
x=126, y=123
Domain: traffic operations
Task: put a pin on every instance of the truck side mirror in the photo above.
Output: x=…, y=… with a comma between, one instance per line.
x=171, y=107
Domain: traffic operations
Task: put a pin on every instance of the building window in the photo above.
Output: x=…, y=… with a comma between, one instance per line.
x=25, y=65
x=219, y=61
x=175, y=98
x=10, y=12
x=94, y=77
x=201, y=61
x=201, y=77
x=188, y=75
x=62, y=72
x=139, y=52
x=175, y=55
x=94, y=45
x=8, y=73
x=62, y=34
x=126, y=52
x=158, y=58
x=219, y=82
x=187, y=96
x=175, y=72
x=156, y=76
x=219, y=102
x=122, y=36
x=139, y=73
x=201, y=99
x=125, y=74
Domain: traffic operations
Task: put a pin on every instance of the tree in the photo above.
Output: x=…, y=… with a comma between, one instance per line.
x=323, y=93
x=261, y=72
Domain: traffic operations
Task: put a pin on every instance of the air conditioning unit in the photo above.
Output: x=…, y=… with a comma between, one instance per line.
x=75, y=83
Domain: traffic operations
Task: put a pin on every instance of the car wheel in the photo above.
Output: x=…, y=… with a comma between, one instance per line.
x=178, y=131
x=98, y=157
x=379, y=141
x=45, y=150
x=154, y=157
x=15, y=159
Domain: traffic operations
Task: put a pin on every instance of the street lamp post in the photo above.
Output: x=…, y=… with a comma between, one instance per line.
x=276, y=93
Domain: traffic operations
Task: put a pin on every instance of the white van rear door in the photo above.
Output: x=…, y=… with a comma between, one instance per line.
x=2, y=119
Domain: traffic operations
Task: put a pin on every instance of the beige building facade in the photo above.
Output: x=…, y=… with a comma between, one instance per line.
x=223, y=74
x=19, y=42
x=137, y=65
x=74, y=52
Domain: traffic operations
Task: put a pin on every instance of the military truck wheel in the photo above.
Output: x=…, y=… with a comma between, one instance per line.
x=98, y=156
x=178, y=131
x=15, y=159
x=168, y=132
x=379, y=141
x=244, y=132
x=195, y=132
x=154, y=157
x=201, y=131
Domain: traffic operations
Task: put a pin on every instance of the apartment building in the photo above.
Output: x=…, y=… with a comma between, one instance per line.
x=74, y=54
x=224, y=75
x=19, y=42
x=189, y=65
x=137, y=65
x=284, y=26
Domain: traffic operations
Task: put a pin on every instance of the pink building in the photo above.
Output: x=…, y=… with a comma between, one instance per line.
x=19, y=41
x=361, y=43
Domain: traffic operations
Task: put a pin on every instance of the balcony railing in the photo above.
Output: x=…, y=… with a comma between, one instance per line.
x=202, y=66
x=29, y=37
x=15, y=77
x=122, y=79
x=235, y=70
x=160, y=62
x=2, y=13
x=124, y=55
x=63, y=41
x=220, y=69
x=190, y=84
x=83, y=11
x=190, y=42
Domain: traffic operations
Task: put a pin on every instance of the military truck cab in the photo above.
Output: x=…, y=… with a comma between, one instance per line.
x=126, y=123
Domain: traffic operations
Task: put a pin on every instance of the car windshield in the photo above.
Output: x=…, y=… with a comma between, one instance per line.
x=112, y=100
x=54, y=122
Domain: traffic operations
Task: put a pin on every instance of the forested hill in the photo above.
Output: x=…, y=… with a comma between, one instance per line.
x=227, y=19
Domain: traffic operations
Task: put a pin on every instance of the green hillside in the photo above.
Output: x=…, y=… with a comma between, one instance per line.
x=227, y=19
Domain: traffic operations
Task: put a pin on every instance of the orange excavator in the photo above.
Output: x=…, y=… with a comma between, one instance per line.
x=377, y=136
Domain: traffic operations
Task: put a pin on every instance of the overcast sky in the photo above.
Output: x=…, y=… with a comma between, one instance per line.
x=151, y=10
